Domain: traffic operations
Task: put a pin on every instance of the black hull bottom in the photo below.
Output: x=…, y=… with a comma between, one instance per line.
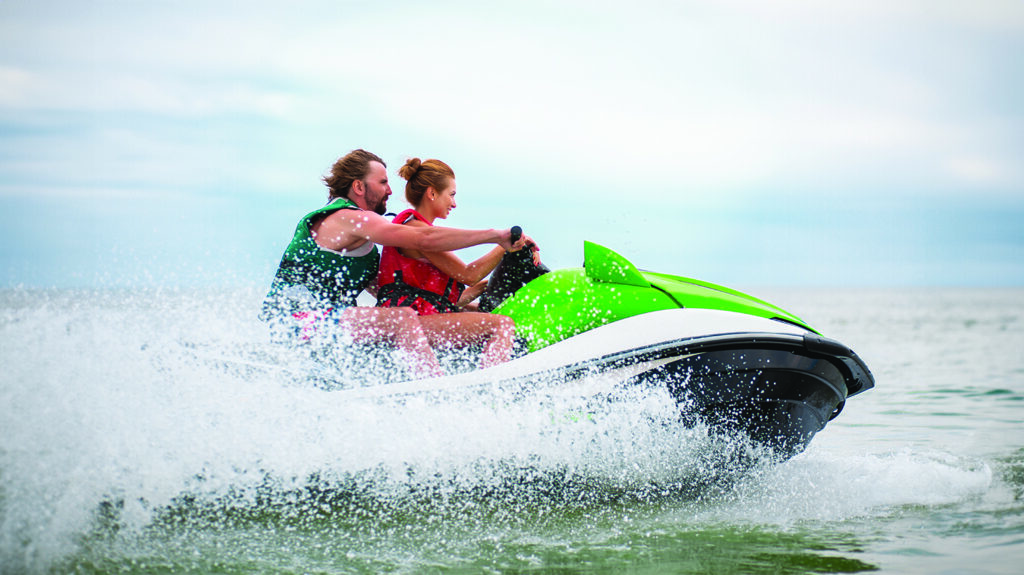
x=779, y=398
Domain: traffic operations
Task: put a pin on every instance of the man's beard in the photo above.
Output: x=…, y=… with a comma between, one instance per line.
x=382, y=206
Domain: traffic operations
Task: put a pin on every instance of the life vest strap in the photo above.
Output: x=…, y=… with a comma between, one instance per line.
x=400, y=294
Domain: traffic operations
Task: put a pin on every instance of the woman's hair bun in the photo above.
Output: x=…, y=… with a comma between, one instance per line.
x=408, y=171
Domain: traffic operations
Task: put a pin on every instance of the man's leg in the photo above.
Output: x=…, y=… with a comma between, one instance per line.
x=466, y=328
x=397, y=326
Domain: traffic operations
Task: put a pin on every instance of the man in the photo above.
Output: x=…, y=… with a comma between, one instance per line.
x=333, y=257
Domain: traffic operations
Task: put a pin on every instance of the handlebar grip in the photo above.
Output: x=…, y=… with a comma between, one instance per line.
x=517, y=232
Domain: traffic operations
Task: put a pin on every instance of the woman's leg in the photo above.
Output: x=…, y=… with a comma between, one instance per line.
x=395, y=325
x=466, y=328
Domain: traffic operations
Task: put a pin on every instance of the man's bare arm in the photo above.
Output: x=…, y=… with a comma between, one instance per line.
x=343, y=228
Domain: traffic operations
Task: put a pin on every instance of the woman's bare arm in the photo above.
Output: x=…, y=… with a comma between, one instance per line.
x=470, y=273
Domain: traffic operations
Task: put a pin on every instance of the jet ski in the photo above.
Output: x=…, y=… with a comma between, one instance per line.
x=732, y=361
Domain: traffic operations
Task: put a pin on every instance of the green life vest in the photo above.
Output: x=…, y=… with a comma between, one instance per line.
x=312, y=277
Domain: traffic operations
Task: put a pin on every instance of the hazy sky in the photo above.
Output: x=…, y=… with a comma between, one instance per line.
x=743, y=142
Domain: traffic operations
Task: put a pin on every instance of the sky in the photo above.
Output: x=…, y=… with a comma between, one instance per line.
x=743, y=142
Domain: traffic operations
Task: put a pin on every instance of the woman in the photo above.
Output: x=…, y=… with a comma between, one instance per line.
x=434, y=283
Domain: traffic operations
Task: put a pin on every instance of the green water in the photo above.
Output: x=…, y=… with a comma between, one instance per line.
x=546, y=527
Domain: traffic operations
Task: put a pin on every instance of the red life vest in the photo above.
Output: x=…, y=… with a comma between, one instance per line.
x=404, y=281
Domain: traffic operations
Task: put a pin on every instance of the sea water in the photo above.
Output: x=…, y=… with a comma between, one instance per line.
x=160, y=432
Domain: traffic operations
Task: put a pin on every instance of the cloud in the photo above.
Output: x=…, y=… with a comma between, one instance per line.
x=978, y=170
x=730, y=96
x=703, y=97
x=725, y=96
